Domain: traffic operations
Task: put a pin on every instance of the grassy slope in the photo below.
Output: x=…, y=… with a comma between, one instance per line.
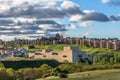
x=91, y=75
x=59, y=47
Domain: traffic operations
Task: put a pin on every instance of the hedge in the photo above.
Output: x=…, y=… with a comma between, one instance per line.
x=29, y=63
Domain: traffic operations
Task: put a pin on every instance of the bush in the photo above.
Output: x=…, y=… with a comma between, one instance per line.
x=29, y=78
x=55, y=71
x=1, y=65
x=62, y=75
x=102, y=67
x=31, y=47
x=45, y=75
x=3, y=74
x=29, y=73
x=11, y=74
x=86, y=68
x=116, y=66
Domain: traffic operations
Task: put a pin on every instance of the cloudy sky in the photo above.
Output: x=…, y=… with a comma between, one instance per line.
x=75, y=18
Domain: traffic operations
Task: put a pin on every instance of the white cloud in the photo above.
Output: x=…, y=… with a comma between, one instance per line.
x=72, y=26
x=27, y=17
x=30, y=8
x=70, y=8
x=113, y=2
x=86, y=24
x=76, y=18
x=69, y=4
x=106, y=1
x=40, y=31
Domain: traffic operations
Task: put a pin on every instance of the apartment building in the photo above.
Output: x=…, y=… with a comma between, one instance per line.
x=91, y=42
x=2, y=49
x=69, y=54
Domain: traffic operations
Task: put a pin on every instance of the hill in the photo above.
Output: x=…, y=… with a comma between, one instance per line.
x=59, y=47
x=91, y=75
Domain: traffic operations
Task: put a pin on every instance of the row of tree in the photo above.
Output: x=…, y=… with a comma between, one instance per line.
x=30, y=73
x=106, y=59
x=45, y=70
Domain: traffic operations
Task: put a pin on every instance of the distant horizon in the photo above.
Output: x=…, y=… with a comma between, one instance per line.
x=63, y=37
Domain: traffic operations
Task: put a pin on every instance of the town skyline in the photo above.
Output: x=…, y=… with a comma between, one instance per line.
x=27, y=19
x=111, y=43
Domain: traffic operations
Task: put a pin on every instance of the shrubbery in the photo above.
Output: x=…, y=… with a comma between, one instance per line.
x=26, y=73
x=29, y=63
x=7, y=74
x=45, y=70
x=62, y=75
x=31, y=47
x=1, y=65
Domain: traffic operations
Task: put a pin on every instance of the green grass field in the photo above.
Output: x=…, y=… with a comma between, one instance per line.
x=59, y=47
x=113, y=74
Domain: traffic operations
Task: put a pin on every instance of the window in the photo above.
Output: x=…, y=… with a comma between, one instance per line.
x=64, y=56
x=80, y=56
x=44, y=56
x=86, y=59
x=38, y=54
x=54, y=53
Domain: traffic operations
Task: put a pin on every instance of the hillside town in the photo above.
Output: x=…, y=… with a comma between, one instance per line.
x=7, y=53
x=111, y=43
x=69, y=54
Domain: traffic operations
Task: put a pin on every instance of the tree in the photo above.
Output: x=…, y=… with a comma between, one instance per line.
x=45, y=69
x=111, y=60
x=1, y=65
x=116, y=58
x=55, y=71
x=11, y=74
x=19, y=75
x=103, y=61
x=95, y=60
x=38, y=73
x=29, y=74
x=3, y=74
x=71, y=67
